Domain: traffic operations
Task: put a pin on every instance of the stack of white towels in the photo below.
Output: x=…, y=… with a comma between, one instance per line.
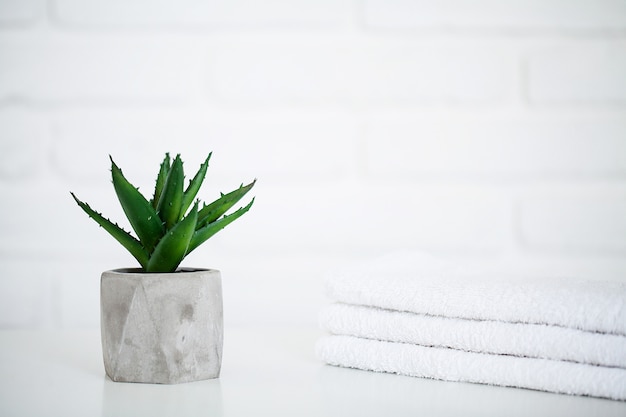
x=414, y=315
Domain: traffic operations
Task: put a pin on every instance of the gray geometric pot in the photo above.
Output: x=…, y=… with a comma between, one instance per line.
x=162, y=328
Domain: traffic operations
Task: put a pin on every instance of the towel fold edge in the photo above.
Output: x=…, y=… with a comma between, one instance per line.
x=480, y=336
x=451, y=365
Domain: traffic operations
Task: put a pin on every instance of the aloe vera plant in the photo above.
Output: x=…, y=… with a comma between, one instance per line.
x=168, y=226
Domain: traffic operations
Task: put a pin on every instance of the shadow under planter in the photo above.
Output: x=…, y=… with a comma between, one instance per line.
x=162, y=328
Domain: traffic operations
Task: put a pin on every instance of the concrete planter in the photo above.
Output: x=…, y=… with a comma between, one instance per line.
x=161, y=328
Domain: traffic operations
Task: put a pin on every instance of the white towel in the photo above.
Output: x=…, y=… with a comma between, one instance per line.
x=420, y=284
x=484, y=336
x=455, y=365
x=416, y=315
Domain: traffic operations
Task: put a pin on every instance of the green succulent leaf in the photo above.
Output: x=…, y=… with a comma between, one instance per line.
x=140, y=213
x=171, y=199
x=165, y=234
x=126, y=239
x=216, y=209
x=173, y=247
x=203, y=234
x=194, y=186
x=160, y=181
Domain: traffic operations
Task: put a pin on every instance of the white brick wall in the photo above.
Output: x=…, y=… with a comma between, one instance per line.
x=360, y=72
x=575, y=223
x=494, y=131
x=17, y=12
x=193, y=14
x=282, y=146
x=526, y=15
x=24, y=143
x=113, y=69
x=595, y=73
x=510, y=147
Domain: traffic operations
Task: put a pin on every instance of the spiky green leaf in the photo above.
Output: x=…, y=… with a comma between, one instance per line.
x=160, y=181
x=171, y=198
x=126, y=239
x=216, y=209
x=194, y=185
x=206, y=232
x=140, y=213
x=173, y=247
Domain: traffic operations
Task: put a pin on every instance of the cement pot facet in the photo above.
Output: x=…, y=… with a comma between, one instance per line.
x=162, y=328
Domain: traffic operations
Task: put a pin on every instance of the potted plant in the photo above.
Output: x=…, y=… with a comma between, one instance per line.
x=161, y=323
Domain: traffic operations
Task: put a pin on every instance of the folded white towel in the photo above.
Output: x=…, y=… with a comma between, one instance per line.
x=456, y=365
x=485, y=336
x=421, y=284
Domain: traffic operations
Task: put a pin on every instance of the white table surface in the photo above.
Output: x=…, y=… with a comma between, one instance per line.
x=265, y=372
